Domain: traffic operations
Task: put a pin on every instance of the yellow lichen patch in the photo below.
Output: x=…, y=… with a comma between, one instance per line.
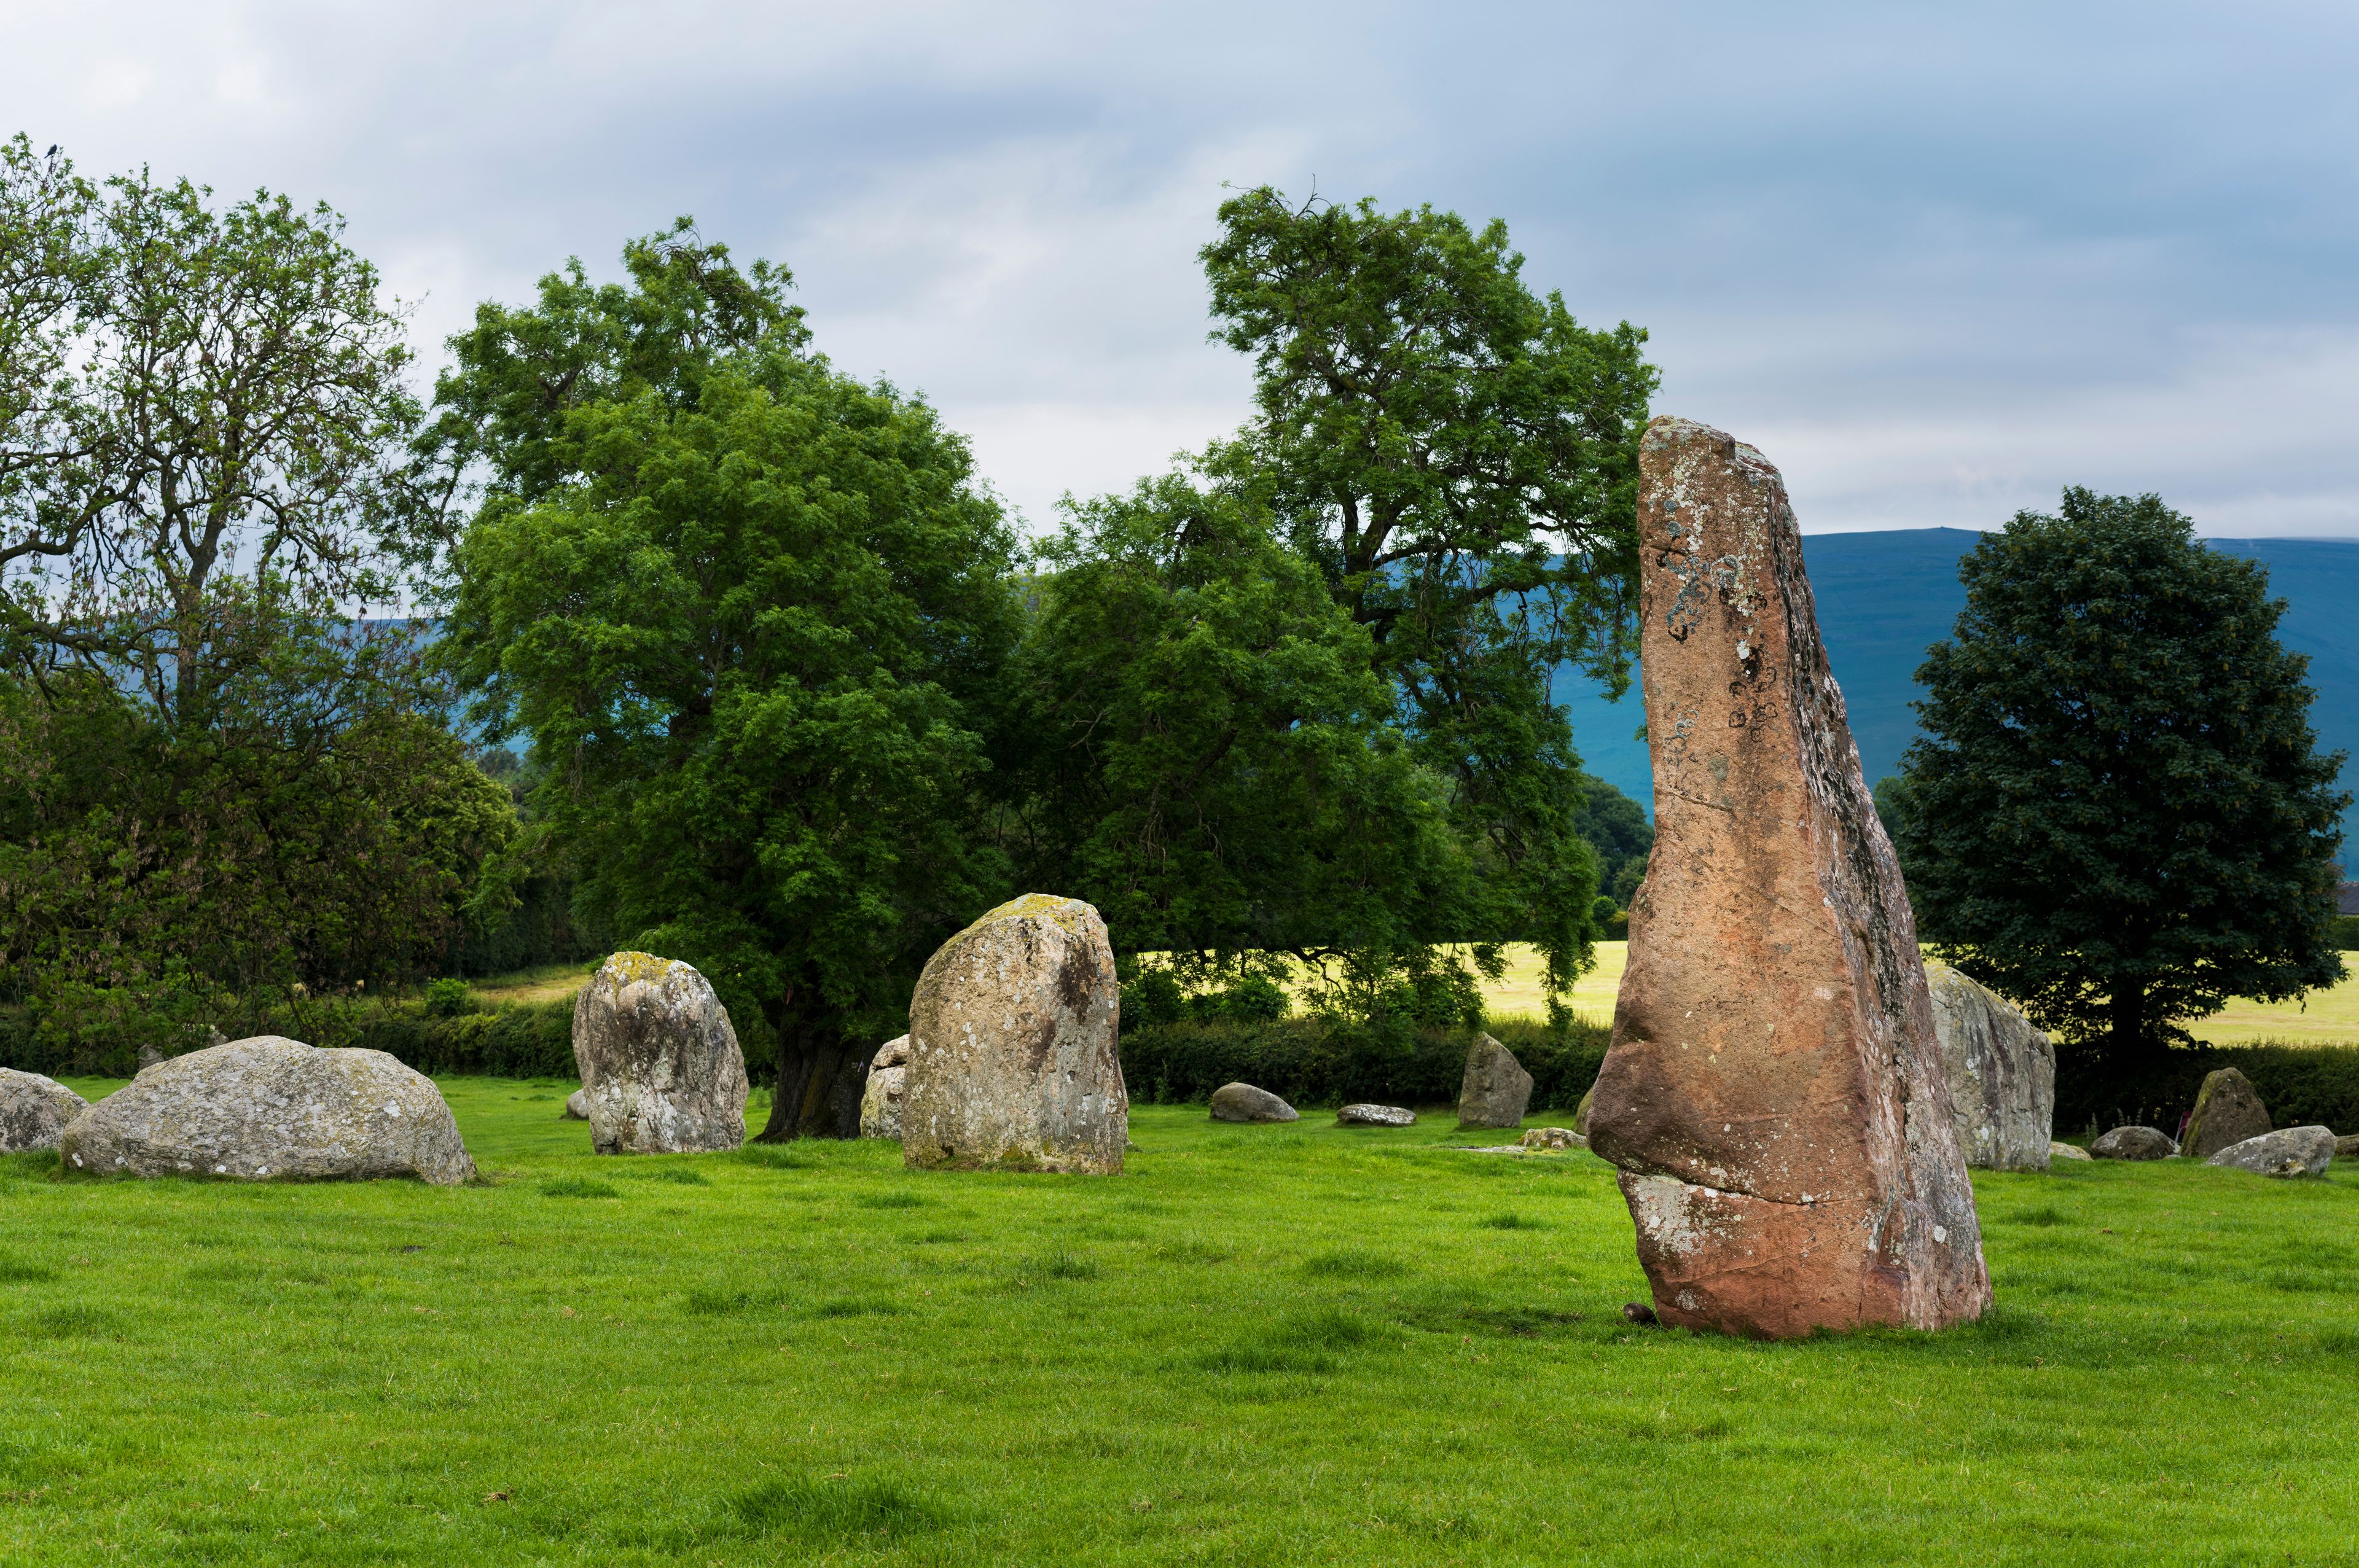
x=629, y=968
x=1049, y=906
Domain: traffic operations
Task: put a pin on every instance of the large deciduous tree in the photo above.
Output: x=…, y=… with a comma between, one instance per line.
x=1210, y=753
x=752, y=614
x=1459, y=457
x=2117, y=813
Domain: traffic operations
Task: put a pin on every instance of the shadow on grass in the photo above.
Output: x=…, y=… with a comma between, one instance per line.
x=1349, y=1263
x=577, y=1187
x=837, y=1512
x=1296, y=1343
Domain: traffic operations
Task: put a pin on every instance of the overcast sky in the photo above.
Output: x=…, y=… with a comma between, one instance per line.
x=1938, y=261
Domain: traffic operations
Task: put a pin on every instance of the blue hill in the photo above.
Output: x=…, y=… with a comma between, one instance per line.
x=1884, y=598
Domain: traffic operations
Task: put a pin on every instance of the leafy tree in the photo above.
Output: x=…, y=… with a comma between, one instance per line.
x=752, y=615
x=1459, y=457
x=186, y=395
x=2116, y=813
x=322, y=833
x=1616, y=830
x=1212, y=755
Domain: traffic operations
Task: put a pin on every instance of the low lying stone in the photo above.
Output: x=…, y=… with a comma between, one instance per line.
x=1374, y=1116
x=2289, y=1152
x=2347, y=1148
x=1243, y=1102
x=34, y=1111
x=577, y=1106
x=2066, y=1152
x=270, y=1109
x=2133, y=1143
x=1554, y=1138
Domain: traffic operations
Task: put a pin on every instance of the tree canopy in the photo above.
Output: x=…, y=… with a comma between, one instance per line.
x=2117, y=813
x=752, y=615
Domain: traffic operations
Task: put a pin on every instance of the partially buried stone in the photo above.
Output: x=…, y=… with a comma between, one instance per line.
x=1013, y=1062
x=271, y=1109
x=34, y=1111
x=1374, y=1116
x=2065, y=1152
x=577, y=1107
x=1554, y=1138
x=1243, y=1102
x=2347, y=1148
x=2291, y=1152
x=661, y=1071
x=889, y=1083
x=1495, y=1090
x=1775, y=1095
x=2133, y=1143
x=2002, y=1074
x=2228, y=1110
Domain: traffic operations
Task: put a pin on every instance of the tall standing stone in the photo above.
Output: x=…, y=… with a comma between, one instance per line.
x=2002, y=1074
x=661, y=1071
x=1774, y=1096
x=1495, y=1090
x=1012, y=1059
x=2228, y=1109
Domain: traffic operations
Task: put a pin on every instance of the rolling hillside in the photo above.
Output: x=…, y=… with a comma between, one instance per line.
x=1884, y=598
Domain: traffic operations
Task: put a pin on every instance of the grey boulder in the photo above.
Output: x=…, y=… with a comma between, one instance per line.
x=1554, y=1138
x=2228, y=1110
x=1374, y=1116
x=2291, y=1152
x=2001, y=1071
x=661, y=1073
x=2347, y=1148
x=271, y=1109
x=1013, y=1061
x=2066, y=1152
x=2133, y=1143
x=1496, y=1090
x=34, y=1111
x=1243, y=1102
x=888, y=1085
x=577, y=1106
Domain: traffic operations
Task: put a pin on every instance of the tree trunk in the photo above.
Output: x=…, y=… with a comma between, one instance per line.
x=2130, y=1043
x=821, y=1080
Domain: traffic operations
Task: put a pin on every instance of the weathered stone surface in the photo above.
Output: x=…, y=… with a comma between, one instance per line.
x=2133, y=1143
x=1496, y=1090
x=880, y=1107
x=1773, y=1097
x=1554, y=1138
x=34, y=1111
x=2228, y=1110
x=660, y=1068
x=2065, y=1152
x=1376, y=1115
x=1011, y=1057
x=1243, y=1102
x=1581, y=1111
x=2001, y=1070
x=894, y=1053
x=271, y=1109
x=2289, y=1152
x=577, y=1107
x=2347, y=1148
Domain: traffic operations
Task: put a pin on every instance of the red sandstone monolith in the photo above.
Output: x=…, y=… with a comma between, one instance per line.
x=1775, y=1095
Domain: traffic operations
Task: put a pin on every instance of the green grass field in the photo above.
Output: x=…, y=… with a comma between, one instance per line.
x=1273, y=1345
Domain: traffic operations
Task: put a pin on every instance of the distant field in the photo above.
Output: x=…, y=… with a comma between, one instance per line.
x=2325, y=1018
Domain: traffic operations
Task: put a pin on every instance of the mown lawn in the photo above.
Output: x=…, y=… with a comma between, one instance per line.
x=1264, y=1344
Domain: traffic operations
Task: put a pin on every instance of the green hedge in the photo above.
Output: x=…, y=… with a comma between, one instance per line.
x=516, y=1041
x=1312, y=1061
x=2302, y=1086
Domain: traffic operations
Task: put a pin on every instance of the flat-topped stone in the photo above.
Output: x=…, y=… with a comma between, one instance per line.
x=1376, y=1115
x=2289, y=1152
